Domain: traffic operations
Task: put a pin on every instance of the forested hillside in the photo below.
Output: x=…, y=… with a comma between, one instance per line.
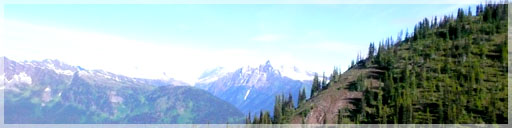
x=450, y=69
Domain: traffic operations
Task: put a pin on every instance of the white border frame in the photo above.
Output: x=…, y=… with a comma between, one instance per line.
x=2, y=63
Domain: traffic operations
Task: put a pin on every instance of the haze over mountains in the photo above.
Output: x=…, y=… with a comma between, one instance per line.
x=74, y=94
x=50, y=91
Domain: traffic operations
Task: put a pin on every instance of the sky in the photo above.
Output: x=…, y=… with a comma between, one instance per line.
x=183, y=40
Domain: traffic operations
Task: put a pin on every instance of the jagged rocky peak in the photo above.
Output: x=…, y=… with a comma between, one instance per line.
x=51, y=63
x=256, y=73
x=250, y=87
x=267, y=67
x=267, y=64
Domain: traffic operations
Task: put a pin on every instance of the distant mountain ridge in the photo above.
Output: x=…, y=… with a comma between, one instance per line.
x=50, y=91
x=35, y=68
x=252, y=89
x=291, y=72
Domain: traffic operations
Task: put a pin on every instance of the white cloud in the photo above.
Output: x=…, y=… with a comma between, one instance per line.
x=133, y=58
x=268, y=38
x=25, y=41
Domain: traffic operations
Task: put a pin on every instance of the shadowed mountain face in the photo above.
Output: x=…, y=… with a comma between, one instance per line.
x=50, y=91
x=252, y=89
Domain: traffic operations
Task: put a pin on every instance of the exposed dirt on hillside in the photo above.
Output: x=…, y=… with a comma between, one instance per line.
x=325, y=105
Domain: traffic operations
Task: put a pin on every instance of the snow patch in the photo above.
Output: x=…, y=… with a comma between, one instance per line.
x=21, y=78
x=59, y=71
x=47, y=89
x=28, y=63
x=214, y=74
x=46, y=96
x=64, y=72
x=210, y=79
x=84, y=73
x=103, y=74
x=114, y=98
x=247, y=94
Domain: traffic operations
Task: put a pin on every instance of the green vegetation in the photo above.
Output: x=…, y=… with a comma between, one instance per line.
x=283, y=111
x=302, y=97
x=451, y=70
x=315, y=88
x=164, y=104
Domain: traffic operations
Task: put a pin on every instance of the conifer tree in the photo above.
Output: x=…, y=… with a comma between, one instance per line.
x=371, y=53
x=248, y=119
x=266, y=118
x=277, y=110
x=334, y=76
x=315, y=87
x=324, y=82
x=302, y=96
x=290, y=101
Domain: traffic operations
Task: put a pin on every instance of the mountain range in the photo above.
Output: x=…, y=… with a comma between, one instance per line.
x=73, y=94
x=51, y=91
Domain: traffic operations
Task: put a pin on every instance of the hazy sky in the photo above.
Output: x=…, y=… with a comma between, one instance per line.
x=184, y=40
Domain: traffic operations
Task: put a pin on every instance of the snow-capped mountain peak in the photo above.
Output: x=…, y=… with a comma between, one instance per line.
x=55, y=65
x=250, y=87
x=37, y=72
x=255, y=75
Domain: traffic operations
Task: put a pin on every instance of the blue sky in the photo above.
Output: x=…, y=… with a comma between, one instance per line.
x=183, y=40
